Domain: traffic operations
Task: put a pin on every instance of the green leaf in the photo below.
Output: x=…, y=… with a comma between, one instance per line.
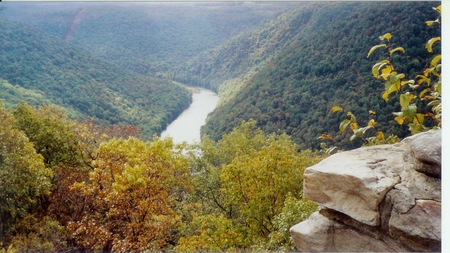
x=429, y=45
x=344, y=125
x=374, y=48
x=352, y=117
x=359, y=132
x=409, y=112
x=336, y=109
x=376, y=68
x=405, y=100
x=397, y=49
x=387, y=36
x=400, y=76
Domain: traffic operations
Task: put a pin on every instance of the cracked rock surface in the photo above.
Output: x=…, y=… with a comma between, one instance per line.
x=383, y=198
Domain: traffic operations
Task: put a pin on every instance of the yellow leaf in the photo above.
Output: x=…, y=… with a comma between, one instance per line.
x=371, y=123
x=353, y=126
x=397, y=49
x=325, y=136
x=387, y=36
x=377, y=66
x=429, y=45
x=438, y=9
x=418, y=118
x=422, y=93
x=399, y=120
x=423, y=79
x=429, y=23
x=407, y=82
x=386, y=71
x=344, y=125
x=385, y=96
x=435, y=60
x=380, y=136
x=372, y=112
x=375, y=47
x=336, y=109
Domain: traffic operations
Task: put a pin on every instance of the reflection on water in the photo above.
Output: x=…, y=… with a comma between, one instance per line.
x=187, y=126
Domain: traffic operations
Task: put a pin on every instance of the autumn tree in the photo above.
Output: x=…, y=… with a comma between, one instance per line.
x=242, y=187
x=132, y=193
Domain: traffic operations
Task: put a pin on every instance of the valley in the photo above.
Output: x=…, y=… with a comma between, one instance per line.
x=250, y=94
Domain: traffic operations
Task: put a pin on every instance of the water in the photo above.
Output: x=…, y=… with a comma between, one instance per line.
x=187, y=126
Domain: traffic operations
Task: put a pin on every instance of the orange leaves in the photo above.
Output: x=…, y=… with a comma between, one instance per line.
x=131, y=190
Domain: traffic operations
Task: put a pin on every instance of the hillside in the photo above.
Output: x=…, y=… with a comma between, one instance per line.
x=148, y=38
x=40, y=68
x=290, y=72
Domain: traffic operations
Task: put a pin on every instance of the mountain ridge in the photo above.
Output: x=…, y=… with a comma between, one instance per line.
x=86, y=85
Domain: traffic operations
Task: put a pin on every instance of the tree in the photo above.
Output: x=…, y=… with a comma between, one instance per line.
x=241, y=186
x=23, y=175
x=133, y=190
x=51, y=132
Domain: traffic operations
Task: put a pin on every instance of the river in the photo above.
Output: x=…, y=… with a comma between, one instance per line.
x=187, y=126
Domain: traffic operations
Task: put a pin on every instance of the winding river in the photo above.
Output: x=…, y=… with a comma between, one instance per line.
x=187, y=126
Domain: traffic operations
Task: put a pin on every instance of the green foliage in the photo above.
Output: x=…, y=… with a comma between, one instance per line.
x=291, y=71
x=245, y=184
x=149, y=38
x=86, y=86
x=14, y=94
x=293, y=212
x=410, y=94
x=23, y=175
x=51, y=133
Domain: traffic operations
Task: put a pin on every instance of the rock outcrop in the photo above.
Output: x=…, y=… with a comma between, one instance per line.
x=384, y=198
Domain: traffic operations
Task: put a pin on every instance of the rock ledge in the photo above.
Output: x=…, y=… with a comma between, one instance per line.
x=383, y=198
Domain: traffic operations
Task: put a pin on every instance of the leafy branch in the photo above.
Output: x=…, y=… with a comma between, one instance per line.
x=425, y=87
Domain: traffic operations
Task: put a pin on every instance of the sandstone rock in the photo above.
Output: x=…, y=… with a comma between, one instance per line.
x=420, y=227
x=354, y=182
x=320, y=234
x=384, y=198
x=425, y=152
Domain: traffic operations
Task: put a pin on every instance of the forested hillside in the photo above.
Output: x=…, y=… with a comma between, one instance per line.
x=149, y=38
x=290, y=72
x=39, y=68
